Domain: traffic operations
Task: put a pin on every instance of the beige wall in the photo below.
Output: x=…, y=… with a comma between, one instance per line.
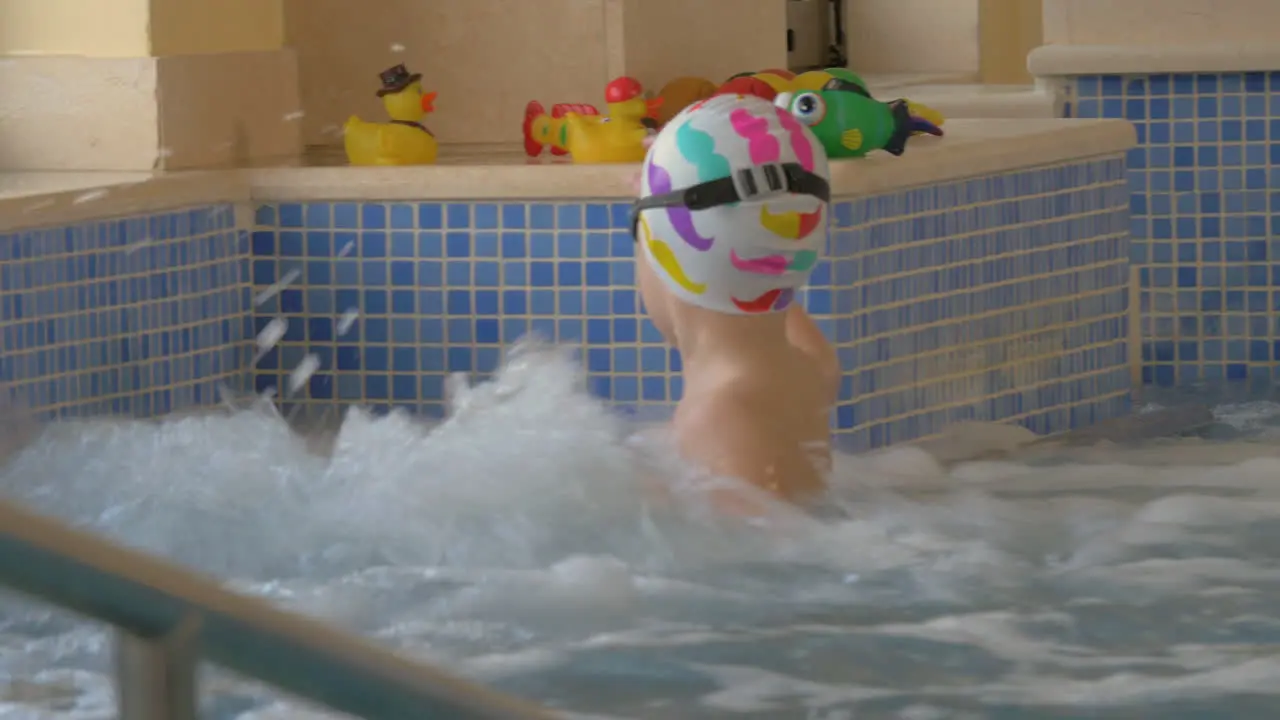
x=485, y=58
x=93, y=28
x=191, y=27
x=714, y=39
x=1007, y=31
x=1161, y=22
x=488, y=58
x=138, y=28
x=154, y=84
x=913, y=36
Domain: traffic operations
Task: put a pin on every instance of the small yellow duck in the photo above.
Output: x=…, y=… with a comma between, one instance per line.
x=404, y=140
x=580, y=130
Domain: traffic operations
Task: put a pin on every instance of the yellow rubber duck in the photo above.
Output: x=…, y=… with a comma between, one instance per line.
x=404, y=140
x=580, y=130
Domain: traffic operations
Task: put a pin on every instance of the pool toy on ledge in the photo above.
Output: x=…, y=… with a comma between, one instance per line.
x=764, y=84
x=405, y=140
x=679, y=94
x=581, y=132
x=834, y=102
x=683, y=92
x=849, y=122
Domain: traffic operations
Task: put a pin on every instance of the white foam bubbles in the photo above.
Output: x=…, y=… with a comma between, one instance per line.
x=535, y=537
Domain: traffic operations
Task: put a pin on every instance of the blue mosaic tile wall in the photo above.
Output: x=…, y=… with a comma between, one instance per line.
x=136, y=316
x=993, y=298
x=1205, y=197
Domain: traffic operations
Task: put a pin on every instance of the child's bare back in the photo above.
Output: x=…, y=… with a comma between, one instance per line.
x=768, y=424
x=730, y=223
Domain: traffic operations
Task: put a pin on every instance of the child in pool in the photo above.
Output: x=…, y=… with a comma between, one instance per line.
x=730, y=222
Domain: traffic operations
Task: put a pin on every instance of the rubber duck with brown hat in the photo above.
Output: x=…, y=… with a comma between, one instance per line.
x=405, y=140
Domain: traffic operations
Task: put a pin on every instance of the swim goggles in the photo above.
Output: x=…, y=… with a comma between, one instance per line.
x=753, y=183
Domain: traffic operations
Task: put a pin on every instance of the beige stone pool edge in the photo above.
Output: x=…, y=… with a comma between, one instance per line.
x=971, y=148
x=1057, y=60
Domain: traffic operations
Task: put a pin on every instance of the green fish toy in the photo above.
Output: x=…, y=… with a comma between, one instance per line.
x=849, y=122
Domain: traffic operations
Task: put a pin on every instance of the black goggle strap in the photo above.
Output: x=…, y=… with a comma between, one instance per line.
x=841, y=85
x=747, y=184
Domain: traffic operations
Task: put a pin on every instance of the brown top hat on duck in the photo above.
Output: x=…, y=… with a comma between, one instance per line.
x=396, y=79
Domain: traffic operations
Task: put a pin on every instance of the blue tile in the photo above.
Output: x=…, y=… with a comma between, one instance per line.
x=291, y=215
x=346, y=216
x=597, y=217
x=318, y=215
x=569, y=217
x=373, y=217
x=1217, y=204
x=620, y=216
x=542, y=217
x=430, y=216
x=513, y=216
x=458, y=216
x=485, y=245
x=485, y=216
x=373, y=244
x=66, y=339
x=402, y=217
x=566, y=271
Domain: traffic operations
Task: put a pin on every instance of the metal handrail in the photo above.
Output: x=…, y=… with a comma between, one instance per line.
x=175, y=614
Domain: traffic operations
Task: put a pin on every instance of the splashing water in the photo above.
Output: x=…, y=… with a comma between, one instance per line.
x=299, y=376
x=522, y=542
x=275, y=288
x=347, y=321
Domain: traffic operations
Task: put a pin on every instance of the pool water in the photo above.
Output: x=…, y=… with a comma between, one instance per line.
x=522, y=543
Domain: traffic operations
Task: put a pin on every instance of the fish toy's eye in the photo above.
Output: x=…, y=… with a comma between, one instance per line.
x=809, y=108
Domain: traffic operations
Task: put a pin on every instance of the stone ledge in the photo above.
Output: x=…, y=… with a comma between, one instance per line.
x=972, y=148
x=1058, y=60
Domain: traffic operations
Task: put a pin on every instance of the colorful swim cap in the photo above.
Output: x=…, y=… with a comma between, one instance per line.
x=732, y=212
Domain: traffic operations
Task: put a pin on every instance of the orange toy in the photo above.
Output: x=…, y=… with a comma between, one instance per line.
x=581, y=131
x=680, y=94
x=765, y=84
x=779, y=80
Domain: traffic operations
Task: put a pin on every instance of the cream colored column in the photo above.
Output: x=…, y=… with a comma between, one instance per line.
x=659, y=40
x=932, y=38
x=1179, y=23
x=75, y=94
x=227, y=86
x=1007, y=31
x=143, y=84
x=192, y=27
x=93, y=28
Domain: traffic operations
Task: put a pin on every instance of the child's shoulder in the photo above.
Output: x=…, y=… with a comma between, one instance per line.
x=760, y=392
x=756, y=427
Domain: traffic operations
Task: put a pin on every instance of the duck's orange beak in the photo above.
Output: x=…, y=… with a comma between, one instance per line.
x=428, y=102
x=651, y=106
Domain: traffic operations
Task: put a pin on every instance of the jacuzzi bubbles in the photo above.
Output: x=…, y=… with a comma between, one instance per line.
x=539, y=541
